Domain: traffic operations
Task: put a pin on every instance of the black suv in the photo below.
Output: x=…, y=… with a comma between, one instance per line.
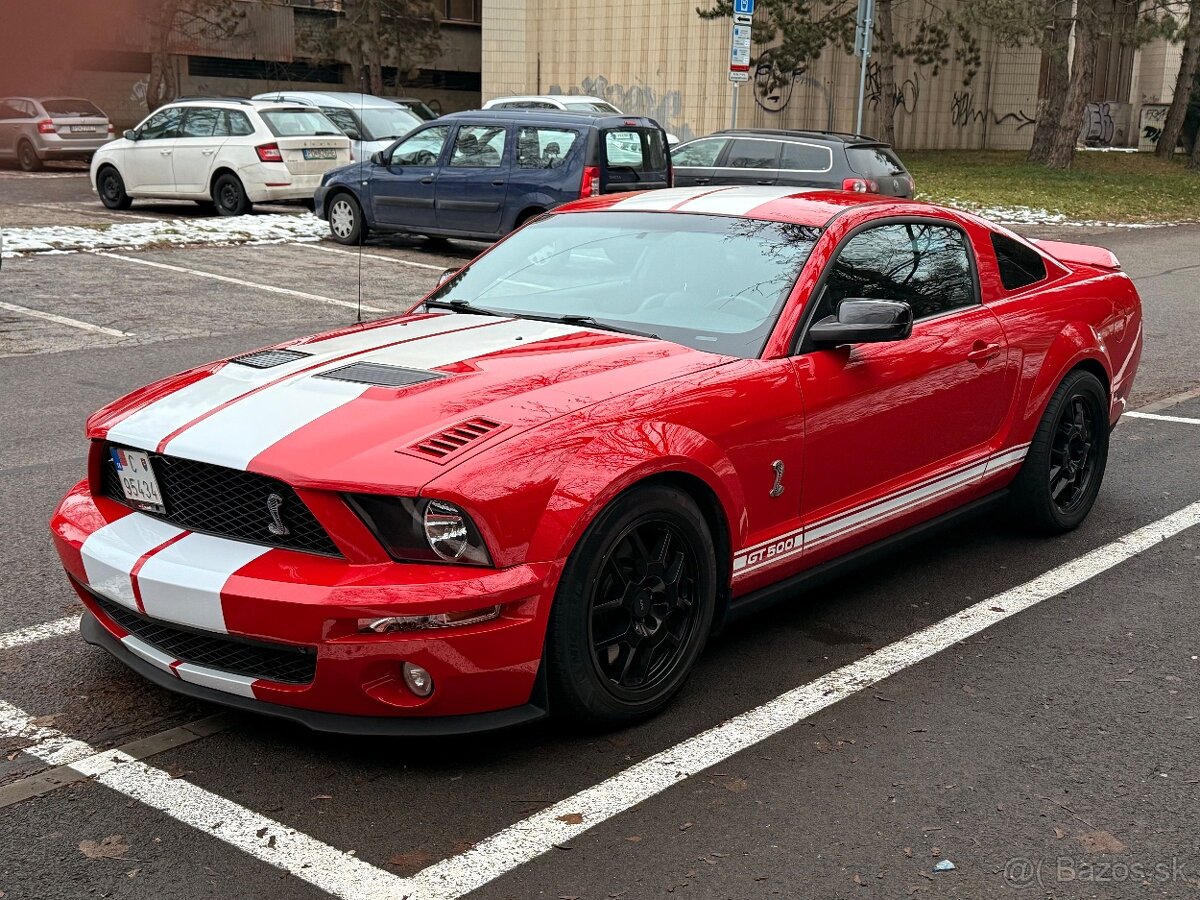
x=821, y=159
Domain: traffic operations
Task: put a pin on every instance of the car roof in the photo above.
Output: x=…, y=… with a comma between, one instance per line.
x=839, y=137
x=799, y=206
x=557, y=116
x=561, y=98
x=344, y=99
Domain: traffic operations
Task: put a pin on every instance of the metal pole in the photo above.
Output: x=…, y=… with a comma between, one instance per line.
x=865, y=38
x=733, y=114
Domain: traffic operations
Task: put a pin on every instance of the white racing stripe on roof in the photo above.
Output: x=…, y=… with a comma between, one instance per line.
x=236, y=434
x=667, y=198
x=731, y=200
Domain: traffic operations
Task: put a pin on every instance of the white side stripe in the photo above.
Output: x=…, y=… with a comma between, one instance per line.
x=182, y=583
x=110, y=553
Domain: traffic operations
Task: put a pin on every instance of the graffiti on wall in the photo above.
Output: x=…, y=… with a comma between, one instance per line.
x=964, y=113
x=1105, y=123
x=666, y=107
x=1153, y=117
x=908, y=91
x=773, y=90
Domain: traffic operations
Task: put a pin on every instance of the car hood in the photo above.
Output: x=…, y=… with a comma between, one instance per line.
x=390, y=405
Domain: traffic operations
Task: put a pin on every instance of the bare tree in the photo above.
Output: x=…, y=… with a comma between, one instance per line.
x=1189, y=64
x=1056, y=48
x=170, y=20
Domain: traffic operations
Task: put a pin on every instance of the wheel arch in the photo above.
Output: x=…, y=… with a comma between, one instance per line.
x=336, y=190
x=217, y=173
x=1075, y=347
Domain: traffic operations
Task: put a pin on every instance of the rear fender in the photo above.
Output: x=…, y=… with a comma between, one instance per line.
x=1076, y=344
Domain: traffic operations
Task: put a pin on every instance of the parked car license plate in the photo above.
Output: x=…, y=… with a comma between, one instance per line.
x=137, y=479
x=90, y=129
x=320, y=153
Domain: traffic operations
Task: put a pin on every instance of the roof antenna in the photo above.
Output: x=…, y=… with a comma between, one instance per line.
x=361, y=232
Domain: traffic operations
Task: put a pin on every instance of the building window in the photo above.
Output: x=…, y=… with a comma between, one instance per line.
x=262, y=70
x=464, y=11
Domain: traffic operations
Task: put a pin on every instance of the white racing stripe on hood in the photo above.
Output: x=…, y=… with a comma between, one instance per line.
x=148, y=426
x=110, y=553
x=233, y=436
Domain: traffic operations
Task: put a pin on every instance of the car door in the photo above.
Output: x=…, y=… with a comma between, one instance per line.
x=546, y=169
x=695, y=162
x=402, y=189
x=895, y=428
x=203, y=131
x=473, y=183
x=149, y=168
x=749, y=161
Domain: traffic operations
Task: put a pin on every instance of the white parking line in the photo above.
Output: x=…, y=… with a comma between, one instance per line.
x=337, y=873
x=64, y=320
x=1157, y=418
x=539, y=833
x=349, y=304
x=391, y=259
x=35, y=633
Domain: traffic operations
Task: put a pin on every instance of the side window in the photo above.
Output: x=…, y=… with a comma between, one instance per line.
x=1019, y=265
x=422, y=149
x=25, y=109
x=200, y=121
x=700, y=154
x=237, y=124
x=806, y=158
x=543, y=148
x=478, y=147
x=9, y=112
x=163, y=124
x=925, y=266
x=747, y=154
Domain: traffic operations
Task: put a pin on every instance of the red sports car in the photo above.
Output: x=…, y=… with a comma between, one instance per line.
x=544, y=487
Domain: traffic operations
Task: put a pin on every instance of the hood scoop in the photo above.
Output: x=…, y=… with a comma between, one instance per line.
x=268, y=359
x=380, y=375
x=443, y=446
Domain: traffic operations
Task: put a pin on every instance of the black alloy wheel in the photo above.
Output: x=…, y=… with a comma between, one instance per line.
x=1073, y=454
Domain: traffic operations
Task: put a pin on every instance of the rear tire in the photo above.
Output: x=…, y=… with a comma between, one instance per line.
x=1061, y=476
x=27, y=158
x=633, y=609
x=230, y=196
x=111, y=188
x=346, y=224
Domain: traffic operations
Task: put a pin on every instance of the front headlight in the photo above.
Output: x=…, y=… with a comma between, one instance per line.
x=419, y=530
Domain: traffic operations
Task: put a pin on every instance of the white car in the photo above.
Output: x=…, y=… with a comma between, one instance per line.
x=226, y=152
x=372, y=123
x=571, y=102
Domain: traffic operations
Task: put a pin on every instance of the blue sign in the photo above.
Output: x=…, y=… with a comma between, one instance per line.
x=743, y=7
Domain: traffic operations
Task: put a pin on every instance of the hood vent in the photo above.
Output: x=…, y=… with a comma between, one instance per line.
x=380, y=375
x=444, y=445
x=267, y=359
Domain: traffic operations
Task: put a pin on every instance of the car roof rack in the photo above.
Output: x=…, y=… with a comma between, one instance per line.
x=846, y=136
x=282, y=97
x=244, y=100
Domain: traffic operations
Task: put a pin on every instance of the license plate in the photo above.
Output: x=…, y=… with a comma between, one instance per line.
x=137, y=479
x=320, y=154
x=88, y=129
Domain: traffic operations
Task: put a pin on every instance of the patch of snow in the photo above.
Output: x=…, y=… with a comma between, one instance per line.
x=1032, y=215
x=261, y=229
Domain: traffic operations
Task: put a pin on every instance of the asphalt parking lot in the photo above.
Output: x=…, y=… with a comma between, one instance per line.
x=1026, y=709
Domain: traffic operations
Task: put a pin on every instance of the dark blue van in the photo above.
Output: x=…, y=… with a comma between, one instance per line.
x=481, y=174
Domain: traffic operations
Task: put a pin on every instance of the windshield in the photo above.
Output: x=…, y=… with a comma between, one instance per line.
x=593, y=106
x=386, y=122
x=713, y=283
x=343, y=119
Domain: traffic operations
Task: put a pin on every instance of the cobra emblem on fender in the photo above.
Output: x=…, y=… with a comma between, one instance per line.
x=777, y=487
x=274, y=504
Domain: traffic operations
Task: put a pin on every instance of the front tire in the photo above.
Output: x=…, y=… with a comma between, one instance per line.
x=346, y=224
x=27, y=158
x=633, y=609
x=111, y=188
x=230, y=196
x=1060, y=478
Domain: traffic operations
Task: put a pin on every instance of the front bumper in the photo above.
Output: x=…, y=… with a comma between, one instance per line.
x=223, y=589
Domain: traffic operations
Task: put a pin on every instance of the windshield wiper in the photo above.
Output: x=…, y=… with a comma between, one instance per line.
x=589, y=322
x=464, y=306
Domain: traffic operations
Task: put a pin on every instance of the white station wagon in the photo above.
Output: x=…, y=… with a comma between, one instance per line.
x=227, y=153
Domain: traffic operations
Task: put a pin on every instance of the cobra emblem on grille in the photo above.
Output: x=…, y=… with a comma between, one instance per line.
x=274, y=504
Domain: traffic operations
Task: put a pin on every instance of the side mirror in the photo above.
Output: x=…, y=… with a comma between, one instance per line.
x=130, y=134
x=864, y=322
x=446, y=275
x=377, y=158
x=352, y=133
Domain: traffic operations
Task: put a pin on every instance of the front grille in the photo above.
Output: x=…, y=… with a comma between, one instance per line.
x=274, y=662
x=227, y=502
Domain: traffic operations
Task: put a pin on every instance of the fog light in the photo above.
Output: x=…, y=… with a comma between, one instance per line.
x=418, y=680
x=437, y=620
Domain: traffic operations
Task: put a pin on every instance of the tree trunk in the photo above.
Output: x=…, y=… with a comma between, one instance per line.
x=375, y=59
x=1194, y=159
x=1058, y=74
x=162, y=85
x=1083, y=69
x=887, y=72
x=1188, y=64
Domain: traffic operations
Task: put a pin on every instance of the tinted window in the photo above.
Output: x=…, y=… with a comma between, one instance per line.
x=202, y=122
x=624, y=268
x=478, y=147
x=421, y=149
x=641, y=149
x=925, y=266
x=71, y=106
x=698, y=154
x=543, y=148
x=874, y=162
x=237, y=123
x=747, y=154
x=163, y=124
x=343, y=119
x=1019, y=265
x=297, y=122
x=806, y=157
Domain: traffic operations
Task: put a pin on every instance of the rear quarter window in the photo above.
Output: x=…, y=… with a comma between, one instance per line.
x=874, y=162
x=1019, y=266
x=544, y=148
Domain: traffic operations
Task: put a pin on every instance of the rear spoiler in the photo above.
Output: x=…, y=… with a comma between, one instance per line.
x=1080, y=254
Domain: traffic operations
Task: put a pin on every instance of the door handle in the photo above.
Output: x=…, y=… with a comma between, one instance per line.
x=208, y=152
x=703, y=181
x=165, y=152
x=428, y=179
x=982, y=352
x=498, y=183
